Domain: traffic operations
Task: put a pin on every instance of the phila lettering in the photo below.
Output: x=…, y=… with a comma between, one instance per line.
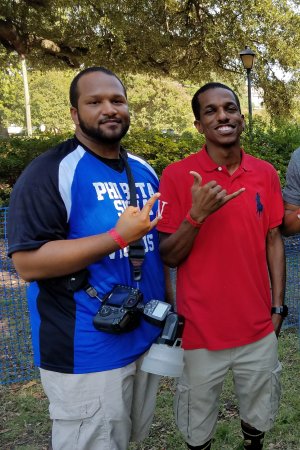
x=118, y=193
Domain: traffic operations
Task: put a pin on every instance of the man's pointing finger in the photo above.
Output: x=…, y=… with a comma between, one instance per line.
x=149, y=204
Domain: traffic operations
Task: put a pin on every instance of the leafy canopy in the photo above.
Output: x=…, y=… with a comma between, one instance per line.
x=193, y=40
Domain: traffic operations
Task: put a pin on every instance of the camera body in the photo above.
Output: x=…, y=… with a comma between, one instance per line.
x=123, y=307
x=120, y=311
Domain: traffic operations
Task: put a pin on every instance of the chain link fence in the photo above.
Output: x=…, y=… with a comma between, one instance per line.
x=16, y=360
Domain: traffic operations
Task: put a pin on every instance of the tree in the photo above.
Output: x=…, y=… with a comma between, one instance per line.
x=185, y=39
x=50, y=99
x=11, y=94
x=159, y=103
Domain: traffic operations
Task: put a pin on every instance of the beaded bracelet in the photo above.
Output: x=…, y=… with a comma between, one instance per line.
x=117, y=238
x=193, y=222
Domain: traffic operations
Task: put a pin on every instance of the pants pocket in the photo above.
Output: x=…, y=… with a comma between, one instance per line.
x=78, y=426
x=73, y=411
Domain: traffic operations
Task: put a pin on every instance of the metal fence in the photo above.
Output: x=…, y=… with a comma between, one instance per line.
x=16, y=361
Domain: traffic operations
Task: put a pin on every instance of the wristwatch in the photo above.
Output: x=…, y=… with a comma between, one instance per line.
x=282, y=310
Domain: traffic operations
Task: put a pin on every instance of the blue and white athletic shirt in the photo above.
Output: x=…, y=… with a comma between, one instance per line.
x=69, y=193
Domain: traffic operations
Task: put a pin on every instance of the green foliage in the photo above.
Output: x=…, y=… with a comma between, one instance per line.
x=11, y=94
x=50, y=100
x=15, y=155
x=158, y=103
x=161, y=149
x=274, y=143
x=186, y=40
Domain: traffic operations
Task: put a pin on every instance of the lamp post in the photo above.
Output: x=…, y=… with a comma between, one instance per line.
x=247, y=56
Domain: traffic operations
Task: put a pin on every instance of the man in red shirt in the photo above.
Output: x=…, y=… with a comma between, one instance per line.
x=220, y=228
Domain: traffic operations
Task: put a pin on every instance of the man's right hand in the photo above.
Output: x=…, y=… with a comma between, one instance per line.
x=208, y=198
x=135, y=223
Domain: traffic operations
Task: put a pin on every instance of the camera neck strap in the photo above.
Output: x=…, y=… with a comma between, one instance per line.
x=136, y=252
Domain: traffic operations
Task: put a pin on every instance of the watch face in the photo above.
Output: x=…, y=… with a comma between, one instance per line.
x=282, y=310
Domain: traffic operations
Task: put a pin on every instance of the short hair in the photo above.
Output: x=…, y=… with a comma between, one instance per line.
x=74, y=95
x=206, y=87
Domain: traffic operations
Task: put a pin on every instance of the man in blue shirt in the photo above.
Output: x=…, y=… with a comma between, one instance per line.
x=69, y=211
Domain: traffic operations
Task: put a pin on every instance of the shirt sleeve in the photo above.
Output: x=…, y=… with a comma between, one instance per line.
x=291, y=192
x=36, y=212
x=174, y=204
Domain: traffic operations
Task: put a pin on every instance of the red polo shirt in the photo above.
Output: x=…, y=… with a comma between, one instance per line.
x=223, y=288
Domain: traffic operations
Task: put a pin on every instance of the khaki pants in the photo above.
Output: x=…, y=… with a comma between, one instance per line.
x=100, y=411
x=256, y=372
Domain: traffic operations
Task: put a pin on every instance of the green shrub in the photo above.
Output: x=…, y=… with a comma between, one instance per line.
x=272, y=143
x=159, y=149
x=15, y=154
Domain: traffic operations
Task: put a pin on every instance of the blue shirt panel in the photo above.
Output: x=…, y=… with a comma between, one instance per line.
x=99, y=196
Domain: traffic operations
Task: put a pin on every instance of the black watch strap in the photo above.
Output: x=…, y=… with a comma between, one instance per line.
x=282, y=310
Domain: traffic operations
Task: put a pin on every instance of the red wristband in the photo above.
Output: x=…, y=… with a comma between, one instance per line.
x=117, y=238
x=193, y=222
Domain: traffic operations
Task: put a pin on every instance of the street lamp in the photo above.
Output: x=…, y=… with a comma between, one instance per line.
x=247, y=56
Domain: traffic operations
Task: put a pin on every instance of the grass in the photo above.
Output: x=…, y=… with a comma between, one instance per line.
x=26, y=426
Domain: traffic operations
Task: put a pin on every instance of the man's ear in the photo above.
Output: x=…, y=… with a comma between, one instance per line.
x=243, y=123
x=74, y=115
x=198, y=125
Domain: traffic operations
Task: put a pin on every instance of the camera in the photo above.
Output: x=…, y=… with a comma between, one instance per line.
x=123, y=307
x=121, y=312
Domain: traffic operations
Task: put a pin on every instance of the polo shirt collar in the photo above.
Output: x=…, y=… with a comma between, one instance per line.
x=209, y=165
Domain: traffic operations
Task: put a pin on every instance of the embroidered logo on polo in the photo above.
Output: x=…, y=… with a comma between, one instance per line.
x=259, y=205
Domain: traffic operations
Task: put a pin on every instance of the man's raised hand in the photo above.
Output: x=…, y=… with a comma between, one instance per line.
x=208, y=198
x=134, y=223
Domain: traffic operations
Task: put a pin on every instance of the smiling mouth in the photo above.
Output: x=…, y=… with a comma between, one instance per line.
x=109, y=121
x=225, y=129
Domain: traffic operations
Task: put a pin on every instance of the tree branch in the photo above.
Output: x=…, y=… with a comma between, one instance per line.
x=11, y=38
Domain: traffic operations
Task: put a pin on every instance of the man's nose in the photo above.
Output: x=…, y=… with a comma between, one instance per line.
x=108, y=108
x=221, y=114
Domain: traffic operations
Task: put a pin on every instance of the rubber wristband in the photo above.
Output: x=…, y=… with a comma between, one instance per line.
x=117, y=238
x=193, y=222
